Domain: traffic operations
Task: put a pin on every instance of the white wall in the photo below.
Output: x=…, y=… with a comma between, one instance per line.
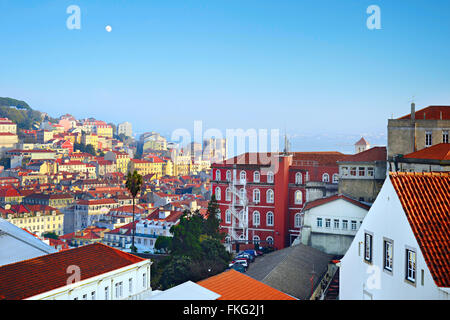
x=387, y=219
x=99, y=283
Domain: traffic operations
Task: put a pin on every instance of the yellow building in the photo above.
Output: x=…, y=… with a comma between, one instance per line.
x=121, y=159
x=90, y=138
x=37, y=219
x=104, y=130
x=145, y=167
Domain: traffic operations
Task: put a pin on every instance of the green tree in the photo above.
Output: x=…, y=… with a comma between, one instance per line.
x=50, y=235
x=133, y=184
x=212, y=223
x=163, y=243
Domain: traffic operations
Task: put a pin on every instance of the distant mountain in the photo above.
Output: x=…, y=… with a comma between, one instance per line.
x=22, y=114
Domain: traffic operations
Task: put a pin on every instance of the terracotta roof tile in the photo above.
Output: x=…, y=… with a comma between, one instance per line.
x=431, y=113
x=233, y=285
x=28, y=278
x=425, y=198
x=372, y=154
x=439, y=151
x=319, y=202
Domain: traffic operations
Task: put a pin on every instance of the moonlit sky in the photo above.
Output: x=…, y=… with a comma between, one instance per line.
x=311, y=68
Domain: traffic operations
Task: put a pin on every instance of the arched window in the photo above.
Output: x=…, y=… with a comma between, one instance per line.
x=298, y=178
x=298, y=197
x=256, y=176
x=256, y=239
x=242, y=236
x=228, y=216
x=307, y=176
x=325, y=177
x=243, y=176
x=269, y=218
x=228, y=194
x=269, y=240
x=218, y=175
x=335, y=178
x=270, y=177
x=242, y=195
x=217, y=193
x=228, y=175
x=227, y=239
x=270, y=196
x=242, y=219
x=256, y=195
x=298, y=220
x=218, y=214
x=256, y=218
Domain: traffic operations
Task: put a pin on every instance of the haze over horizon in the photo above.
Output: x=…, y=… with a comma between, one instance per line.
x=313, y=69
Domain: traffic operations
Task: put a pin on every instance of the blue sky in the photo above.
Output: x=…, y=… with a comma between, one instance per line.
x=312, y=67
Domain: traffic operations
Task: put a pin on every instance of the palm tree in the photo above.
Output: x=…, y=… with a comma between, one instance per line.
x=133, y=184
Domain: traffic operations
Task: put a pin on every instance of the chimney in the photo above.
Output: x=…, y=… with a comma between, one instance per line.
x=413, y=111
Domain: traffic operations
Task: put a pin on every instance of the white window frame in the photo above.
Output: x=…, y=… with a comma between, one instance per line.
x=388, y=255
x=297, y=220
x=319, y=222
x=298, y=197
x=217, y=193
x=228, y=194
x=256, y=176
x=218, y=175
x=298, y=178
x=256, y=218
x=270, y=177
x=325, y=177
x=228, y=175
x=270, y=219
x=228, y=216
x=270, y=196
x=411, y=271
x=269, y=240
x=256, y=196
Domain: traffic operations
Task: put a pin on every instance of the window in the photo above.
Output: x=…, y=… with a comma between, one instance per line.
x=228, y=175
x=344, y=171
x=256, y=218
x=368, y=247
x=361, y=171
x=84, y=296
x=428, y=138
x=335, y=178
x=353, y=225
x=270, y=177
x=388, y=255
x=256, y=239
x=130, y=285
x=228, y=216
x=256, y=196
x=218, y=175
x=319, y=222
x=256, y=176
x=228, y=194
x=325, y=177
x=93, y=295
x=242, y=195
x=410, y=265
x=269, y=218
x=445, y=136
x=269, y=240
x=217, y=193
x=119, y=289
x=298, y=198
x=298, y=178
x=336, y=223
x=144, y=280
x=344, y=224
x=353, y=171
x=307, y=176
x=297, y=220
x=243, y=177
x=270, y=196
x=242, y=218
x=370, y=172
x=327, y=223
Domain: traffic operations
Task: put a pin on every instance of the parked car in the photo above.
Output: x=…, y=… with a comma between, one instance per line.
x=247, y=256
x=239, y=267
x=243, y=262
x=251, y=252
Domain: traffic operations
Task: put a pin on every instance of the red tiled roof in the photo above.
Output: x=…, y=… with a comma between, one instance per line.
x=372, y=154
x=28, y=278
x=233, y=285
x=439, y=151
x=425, y=198
x=319, y=202
x=431, y=113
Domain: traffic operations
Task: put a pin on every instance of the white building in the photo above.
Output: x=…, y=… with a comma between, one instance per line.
x=17, y=244
x=125, y=128
x=92, y=272
x=330, y=224
x=401, y=249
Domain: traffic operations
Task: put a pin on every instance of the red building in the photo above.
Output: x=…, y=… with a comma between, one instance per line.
x=261, y=195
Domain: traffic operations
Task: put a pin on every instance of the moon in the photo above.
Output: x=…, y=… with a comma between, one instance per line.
x=108, y=28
